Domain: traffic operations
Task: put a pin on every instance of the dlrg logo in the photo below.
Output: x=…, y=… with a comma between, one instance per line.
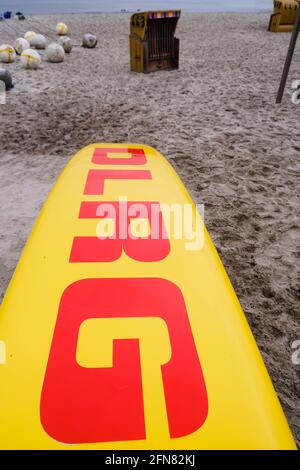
x=101, y=398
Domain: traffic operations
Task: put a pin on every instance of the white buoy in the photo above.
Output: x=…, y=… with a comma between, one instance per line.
x=20, y=45
x=30, y=59
x=29, y=36
x=89, y=40
x=7, y=53
x=66, y=43
x=39, y=41
x=61, y=29
x=55, y=53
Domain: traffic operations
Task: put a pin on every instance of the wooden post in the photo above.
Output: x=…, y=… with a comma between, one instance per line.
x=289, y=57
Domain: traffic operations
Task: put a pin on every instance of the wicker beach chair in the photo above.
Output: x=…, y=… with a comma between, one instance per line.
x=153, y=45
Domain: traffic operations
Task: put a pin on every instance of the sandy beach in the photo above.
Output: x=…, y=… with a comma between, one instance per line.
x=215, y=120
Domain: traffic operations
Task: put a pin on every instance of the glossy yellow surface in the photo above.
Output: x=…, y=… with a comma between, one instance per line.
x=244, y=411
x=284, y=16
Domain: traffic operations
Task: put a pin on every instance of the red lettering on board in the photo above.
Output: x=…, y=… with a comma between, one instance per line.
x=96, y=178
x=100, y=156
x=88, y=405
x=154, y=247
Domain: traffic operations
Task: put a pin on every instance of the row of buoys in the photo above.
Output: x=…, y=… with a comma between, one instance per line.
x=28, y=46
x=30, y=58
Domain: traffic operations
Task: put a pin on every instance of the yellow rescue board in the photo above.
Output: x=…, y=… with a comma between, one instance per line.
x=119, y=330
